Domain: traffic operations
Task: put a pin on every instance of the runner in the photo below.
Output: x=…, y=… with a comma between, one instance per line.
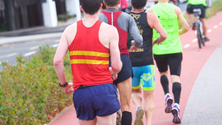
x=198, y=4
x=124, y=5
x=90, y=44
x=169, y=53
x=125, y=24
x=142, y=61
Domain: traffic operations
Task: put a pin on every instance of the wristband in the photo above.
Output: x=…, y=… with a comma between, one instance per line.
x=63, y=85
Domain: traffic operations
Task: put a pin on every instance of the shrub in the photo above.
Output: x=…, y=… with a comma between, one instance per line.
x=64, y=17
x=29, y=91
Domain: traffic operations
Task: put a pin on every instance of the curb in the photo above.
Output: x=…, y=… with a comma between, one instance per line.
x=23, y=39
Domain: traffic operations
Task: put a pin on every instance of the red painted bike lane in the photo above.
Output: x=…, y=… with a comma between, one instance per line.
x=193, y=60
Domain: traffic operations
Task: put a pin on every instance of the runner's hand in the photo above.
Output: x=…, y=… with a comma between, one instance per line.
x=69, y=89
x=114, y=75
x=133, y=48
x=157, y=41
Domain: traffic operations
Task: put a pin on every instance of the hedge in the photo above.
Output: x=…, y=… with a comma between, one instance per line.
x=29, y=91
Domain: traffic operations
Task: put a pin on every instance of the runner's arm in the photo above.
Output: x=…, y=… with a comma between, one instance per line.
x=149, y=10
x=134, y=33
x=116, y=62
x=182, y=20
x=59, y=57
x=155, y=24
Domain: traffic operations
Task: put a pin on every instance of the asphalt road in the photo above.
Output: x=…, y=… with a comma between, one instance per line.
x=9, y=52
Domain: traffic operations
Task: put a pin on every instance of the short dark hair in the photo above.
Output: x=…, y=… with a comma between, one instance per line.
x=103, y=7
x=139, y=4
x=91, y=6
x=111, y=2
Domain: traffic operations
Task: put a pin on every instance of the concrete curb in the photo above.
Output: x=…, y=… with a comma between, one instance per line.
x=60, y=114
x=21, y=39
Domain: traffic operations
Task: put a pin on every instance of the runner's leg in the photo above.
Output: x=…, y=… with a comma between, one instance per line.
x=125, y=89
x=149, y=106
x=137, y=97
x=107, y=120
x=87, y=122
x=175, y=70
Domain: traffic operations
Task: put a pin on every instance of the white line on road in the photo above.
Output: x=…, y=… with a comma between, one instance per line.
x=9, y=55
x=210, y=30
x=186, y=46
x=194, y=40
x=215, y=26
x=12, y=54
x=55, y=45
x=33, y=48
x=58, y=40
x=30, y=53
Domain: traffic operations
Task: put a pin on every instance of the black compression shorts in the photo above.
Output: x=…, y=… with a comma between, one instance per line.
x=173, y=60
x=190, y=9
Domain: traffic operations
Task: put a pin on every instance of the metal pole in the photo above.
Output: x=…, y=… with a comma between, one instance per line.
x=10, y=15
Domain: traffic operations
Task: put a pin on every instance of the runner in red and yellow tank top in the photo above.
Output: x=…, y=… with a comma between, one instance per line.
x=89, y=58
x=90, y=44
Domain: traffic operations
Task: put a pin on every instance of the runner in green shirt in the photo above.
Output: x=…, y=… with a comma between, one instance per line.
x=169, y=53
x=198, y=4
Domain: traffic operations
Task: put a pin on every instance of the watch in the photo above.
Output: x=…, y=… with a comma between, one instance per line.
x=63, y=85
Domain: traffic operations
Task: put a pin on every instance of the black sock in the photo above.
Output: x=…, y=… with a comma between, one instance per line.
x=126, y=118
x=176, y=91
x=165, y=83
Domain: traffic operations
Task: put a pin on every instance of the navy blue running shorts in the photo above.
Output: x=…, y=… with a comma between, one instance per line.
x=100, y=100
x=126, y=71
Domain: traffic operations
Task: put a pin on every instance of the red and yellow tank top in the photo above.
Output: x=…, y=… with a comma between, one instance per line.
x=89, y=58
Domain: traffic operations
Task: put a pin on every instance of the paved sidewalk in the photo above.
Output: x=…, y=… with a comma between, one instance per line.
x=204, y=106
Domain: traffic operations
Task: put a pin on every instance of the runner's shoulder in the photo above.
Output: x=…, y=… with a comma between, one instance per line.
x=177, y=10
x=151, y=16
x=71, y=27
x=108, y=28
x=125, y=15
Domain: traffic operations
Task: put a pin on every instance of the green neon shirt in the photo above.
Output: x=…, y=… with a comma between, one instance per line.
x=197, y=2
x=169, y=20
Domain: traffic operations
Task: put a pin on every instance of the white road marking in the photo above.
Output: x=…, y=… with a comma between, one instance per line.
x=186, y=46
x=55, y=45
x=194, y=40
x=30, y=53
x=12, y=54
x=33, y=48
x=58, y=40
x=0, y=63
x=210, y=30
x=9, y=55
x=215, y=26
